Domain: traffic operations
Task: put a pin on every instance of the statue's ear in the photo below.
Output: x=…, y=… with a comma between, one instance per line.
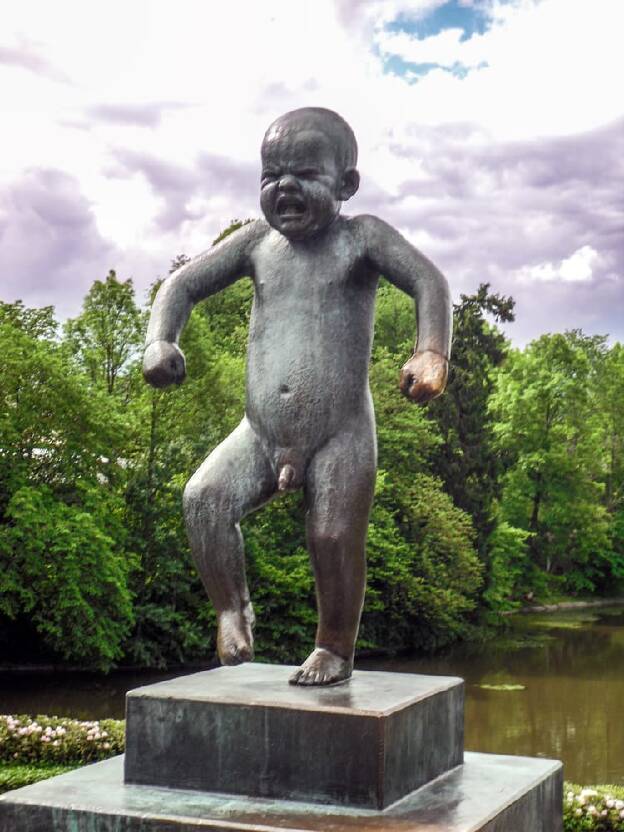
x=349, y=185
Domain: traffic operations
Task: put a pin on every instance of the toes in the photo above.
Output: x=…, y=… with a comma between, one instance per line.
x=236, y=654
x=244, y=653
x=296, y=676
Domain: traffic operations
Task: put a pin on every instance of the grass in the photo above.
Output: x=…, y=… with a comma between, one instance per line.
x=16, y=775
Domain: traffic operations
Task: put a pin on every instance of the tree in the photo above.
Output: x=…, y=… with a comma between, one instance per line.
x=63, y=562
x=550, y=430
x=38, y=323
x=467, y=459
x=109, y=331
x=68, y=576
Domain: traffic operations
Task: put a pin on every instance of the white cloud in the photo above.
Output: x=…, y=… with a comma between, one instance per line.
x=579, y=266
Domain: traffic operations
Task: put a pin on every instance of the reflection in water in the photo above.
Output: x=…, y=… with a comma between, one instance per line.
x=572, y=704
x=570, y=709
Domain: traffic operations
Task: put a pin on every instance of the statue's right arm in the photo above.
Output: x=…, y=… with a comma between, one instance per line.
x=163, y=362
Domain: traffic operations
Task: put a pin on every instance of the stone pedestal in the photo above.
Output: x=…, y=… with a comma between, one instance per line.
x=240, y=749
x=246, y=731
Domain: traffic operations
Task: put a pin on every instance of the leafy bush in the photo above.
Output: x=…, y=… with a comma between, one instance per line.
x=600, y=809
x=62, y=569
x=423, y=571
x=47, y=740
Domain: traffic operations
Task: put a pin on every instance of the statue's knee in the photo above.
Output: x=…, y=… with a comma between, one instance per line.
x=326, y=538
x=198, y=497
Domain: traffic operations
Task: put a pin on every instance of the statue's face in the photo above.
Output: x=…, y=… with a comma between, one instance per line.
x=299, y=192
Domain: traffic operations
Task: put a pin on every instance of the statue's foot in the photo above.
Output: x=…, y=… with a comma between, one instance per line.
x=322, y=667
x=235, y=636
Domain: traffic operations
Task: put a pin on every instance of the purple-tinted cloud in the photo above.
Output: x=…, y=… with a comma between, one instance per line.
x=177, y=186
x=174, y=184
x=50, y=247
x=513, y=213
x=26, y=56
x=138, y=115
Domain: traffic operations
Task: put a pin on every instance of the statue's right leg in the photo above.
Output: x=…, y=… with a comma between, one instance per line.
x=235, y=479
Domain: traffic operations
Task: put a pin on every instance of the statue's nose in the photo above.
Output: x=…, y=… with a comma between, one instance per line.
x=287, y=182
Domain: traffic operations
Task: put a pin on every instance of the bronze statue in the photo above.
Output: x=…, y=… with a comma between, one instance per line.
x=309, y=420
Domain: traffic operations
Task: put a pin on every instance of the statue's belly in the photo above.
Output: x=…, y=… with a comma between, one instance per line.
x=299, y=401
x=307, y=362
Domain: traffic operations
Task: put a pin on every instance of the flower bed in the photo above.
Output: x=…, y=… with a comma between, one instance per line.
x=600, y=809
x=49, y=740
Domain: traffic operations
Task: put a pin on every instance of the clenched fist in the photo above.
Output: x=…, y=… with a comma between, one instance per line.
x=424, y=376
x=163, y=364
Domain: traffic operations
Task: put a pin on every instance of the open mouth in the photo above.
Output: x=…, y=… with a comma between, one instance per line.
x=290, y=207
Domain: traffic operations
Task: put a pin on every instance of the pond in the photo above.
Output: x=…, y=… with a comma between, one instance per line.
x=553, y=686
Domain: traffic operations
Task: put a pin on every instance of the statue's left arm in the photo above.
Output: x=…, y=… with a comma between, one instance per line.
x=424, y=375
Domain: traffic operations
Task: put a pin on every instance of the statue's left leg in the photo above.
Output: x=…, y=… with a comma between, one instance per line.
x=339, y=490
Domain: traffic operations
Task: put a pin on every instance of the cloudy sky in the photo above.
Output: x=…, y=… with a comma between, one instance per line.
x=491, y=134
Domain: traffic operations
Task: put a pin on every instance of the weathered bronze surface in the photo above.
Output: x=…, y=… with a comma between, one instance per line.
x=309, y=420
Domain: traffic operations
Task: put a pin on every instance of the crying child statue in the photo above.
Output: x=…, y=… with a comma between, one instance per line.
x=309, y=422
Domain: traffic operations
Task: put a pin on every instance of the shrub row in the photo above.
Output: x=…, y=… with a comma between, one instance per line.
x=599, y=809
x=26, y=740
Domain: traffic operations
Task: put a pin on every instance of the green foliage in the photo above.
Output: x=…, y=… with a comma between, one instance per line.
x=280, y=580
x=596, y=809
x=509, y=566
x=466, y=459
x=63, y=563
x=55, y=428
x=423, y=572
x=61, y=569
x=108, y=332
x=549, y=429
x=14, y=776
x=50, y=740
x=38, y=323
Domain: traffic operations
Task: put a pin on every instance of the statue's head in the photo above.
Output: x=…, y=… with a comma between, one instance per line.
x=308, y=170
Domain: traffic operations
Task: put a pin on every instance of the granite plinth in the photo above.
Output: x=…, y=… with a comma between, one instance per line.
x=489, y=793
x=246, y=731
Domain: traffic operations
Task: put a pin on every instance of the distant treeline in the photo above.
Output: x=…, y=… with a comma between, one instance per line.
x=509, y=485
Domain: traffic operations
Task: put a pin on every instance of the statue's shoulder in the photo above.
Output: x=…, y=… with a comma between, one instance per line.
x=247, y=236
x=256, y=231
x=364, y=223
x=367, y=228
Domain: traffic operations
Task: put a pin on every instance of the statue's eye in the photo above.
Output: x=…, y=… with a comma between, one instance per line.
x=307, y=173
x=268, y=176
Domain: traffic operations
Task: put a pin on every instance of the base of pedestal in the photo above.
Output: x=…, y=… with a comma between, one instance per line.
x=488, y=793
